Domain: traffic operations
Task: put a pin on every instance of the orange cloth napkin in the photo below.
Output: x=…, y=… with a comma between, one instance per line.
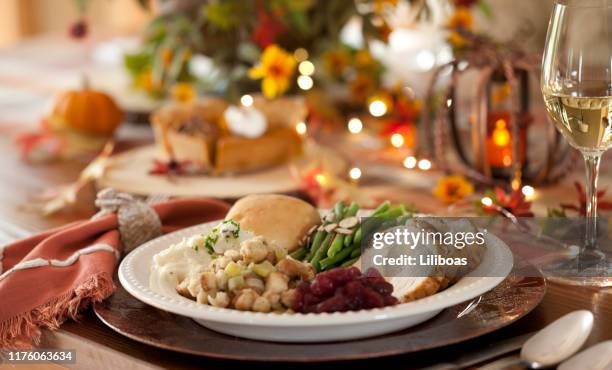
x=50, y=277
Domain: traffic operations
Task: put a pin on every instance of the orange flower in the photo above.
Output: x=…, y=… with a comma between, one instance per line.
x=451, y=189
x=183, y=92
x=461, y=20
x=275, y=70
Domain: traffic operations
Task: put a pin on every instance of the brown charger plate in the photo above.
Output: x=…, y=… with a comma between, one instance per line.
x=512, y=299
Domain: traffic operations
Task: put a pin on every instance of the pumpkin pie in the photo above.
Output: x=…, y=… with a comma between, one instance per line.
x=199, y=134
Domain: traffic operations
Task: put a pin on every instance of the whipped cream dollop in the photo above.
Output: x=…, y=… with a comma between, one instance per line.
x=245, y=121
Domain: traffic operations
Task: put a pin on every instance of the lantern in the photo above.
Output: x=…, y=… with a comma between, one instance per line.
x=493, y=148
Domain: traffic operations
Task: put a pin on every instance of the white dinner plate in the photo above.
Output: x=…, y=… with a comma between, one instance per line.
x=134, y=273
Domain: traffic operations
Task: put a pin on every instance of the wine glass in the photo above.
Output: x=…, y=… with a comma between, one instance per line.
x=577, y=89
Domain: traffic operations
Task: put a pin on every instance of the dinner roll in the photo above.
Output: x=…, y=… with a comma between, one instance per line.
x=282, y=219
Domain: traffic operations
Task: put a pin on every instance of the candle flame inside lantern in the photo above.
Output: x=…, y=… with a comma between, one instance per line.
x=501, y=135
x=499, y=140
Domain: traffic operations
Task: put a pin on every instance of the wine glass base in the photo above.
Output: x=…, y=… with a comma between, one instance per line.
x=589, y=268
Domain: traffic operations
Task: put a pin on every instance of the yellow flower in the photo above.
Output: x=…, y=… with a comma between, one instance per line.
x=183, y=92
x=275, y=68
x=451, y=189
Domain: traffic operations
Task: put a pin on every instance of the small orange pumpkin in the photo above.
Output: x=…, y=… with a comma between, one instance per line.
x=87, y=111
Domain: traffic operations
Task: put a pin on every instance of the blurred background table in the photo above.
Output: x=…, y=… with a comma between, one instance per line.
x=30, y=73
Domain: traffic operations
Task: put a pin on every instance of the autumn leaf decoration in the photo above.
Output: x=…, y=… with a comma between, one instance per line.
x=580, y=208
x=502, y=202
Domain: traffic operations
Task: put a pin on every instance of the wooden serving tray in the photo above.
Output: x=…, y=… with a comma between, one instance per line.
x=511, y=300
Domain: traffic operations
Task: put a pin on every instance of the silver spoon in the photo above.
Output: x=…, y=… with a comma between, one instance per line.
x=598, y=357
x=553, y=344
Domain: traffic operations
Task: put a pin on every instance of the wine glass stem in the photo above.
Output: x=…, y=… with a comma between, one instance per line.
x=592, y=161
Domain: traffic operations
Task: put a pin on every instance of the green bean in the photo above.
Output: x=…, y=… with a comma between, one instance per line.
x=317, y=239
x=352, y=210
x=299, y=254
x=392, y=213
x=348, y=240
x=388, y=223
x=333, y=260
x=383, y=207
x=316, y=242
x=401, y=220
x=322, y=251
x=339, y=211
x=350, y=262
x=336, y=245
x=356, y=252
x=357, y=237
x=349, y=211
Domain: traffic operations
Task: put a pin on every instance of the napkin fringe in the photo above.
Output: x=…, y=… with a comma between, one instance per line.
x=24, y=331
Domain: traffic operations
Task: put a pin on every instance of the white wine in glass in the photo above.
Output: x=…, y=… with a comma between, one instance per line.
x=577, y=89
x=584, y=121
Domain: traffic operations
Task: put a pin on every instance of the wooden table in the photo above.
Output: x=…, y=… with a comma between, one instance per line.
x=100, y=347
